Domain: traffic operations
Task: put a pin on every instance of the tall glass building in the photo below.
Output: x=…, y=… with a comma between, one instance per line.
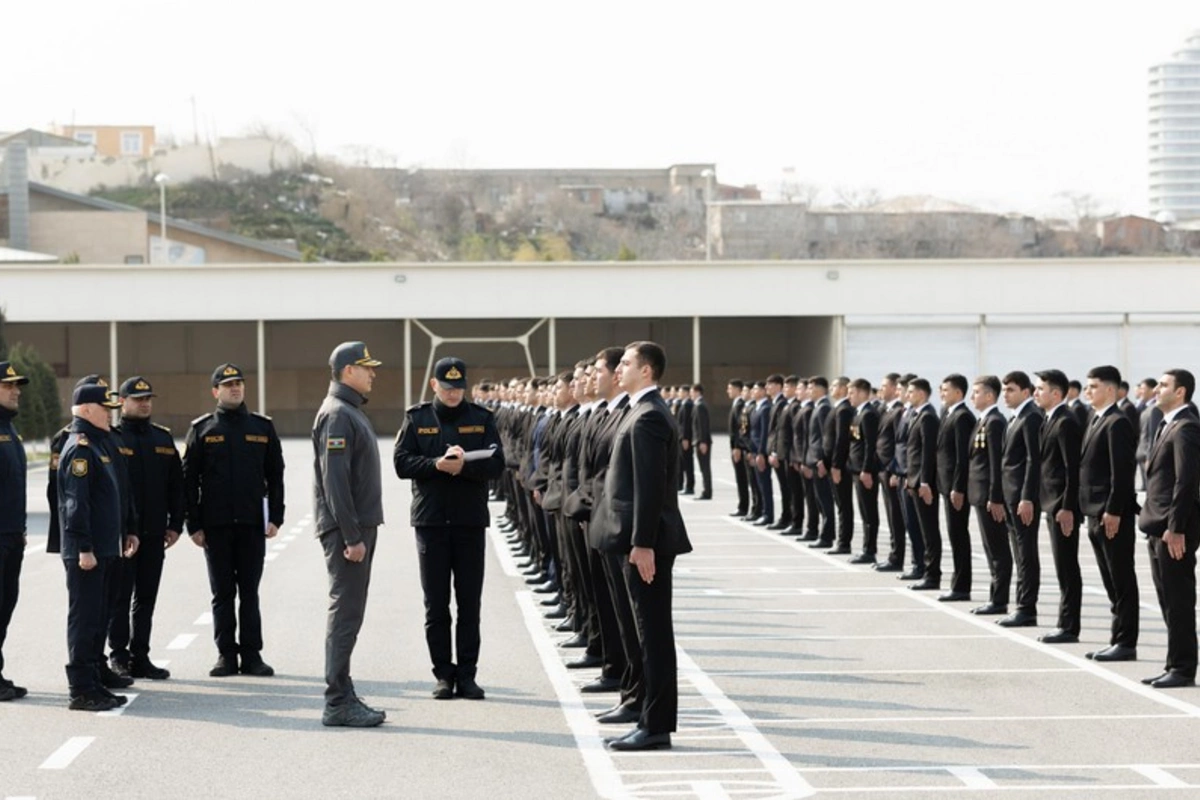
x=1175, y=134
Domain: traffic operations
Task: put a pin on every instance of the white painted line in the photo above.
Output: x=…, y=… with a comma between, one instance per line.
x=279, y=546
x=507, y=563
x=972, y=778
x=271, y=556
x=288, y=539
x=781, y=769
x=1160, y=776
x=767, y=723
x=63, y=756
x=771, y=637
x=181, y=641
x=755, y=673
x=691, y=771
x=296, y=530
x=37, y=547
x=583, y=726
x=21, y=797
x=204, y=619
x=1049, y=788
x=119, y=710
x=709, y=790
x=741, y=612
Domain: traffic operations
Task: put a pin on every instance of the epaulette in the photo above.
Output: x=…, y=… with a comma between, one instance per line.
x=82, y=441
x=201, y=418
x=419, y=406
x=260, y=416
x=483, y=408
x=161, y=427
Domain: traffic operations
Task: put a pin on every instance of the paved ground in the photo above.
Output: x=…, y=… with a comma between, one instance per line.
x=801, y=676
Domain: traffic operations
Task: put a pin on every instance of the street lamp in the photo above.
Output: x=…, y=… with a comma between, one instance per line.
x=162, y=180
x=708, y=176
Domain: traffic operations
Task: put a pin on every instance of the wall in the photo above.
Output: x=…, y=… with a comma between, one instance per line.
x=104, y=237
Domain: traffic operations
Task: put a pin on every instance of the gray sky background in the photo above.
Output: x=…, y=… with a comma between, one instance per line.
x=1002, y=105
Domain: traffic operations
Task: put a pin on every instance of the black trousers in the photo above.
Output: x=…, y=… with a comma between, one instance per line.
x=452, y=556
x=868, y=509
x=87, y=614
x=1066, y=568
x=1175, y=582
x=138, y=580
x=704, y=462
x=235, y=567
x=785, y=493
x=912, y=522
x=823, y=491
x=893, y=508
x=12, y=554
x=812, y=507
x=575, y=566
x=633, y=685
x=843, y=500
x=796, y=488
x=751, y=472
x=931, y=535
x=999, y=555
x=958, y=531
x=1114, y=557
x=765, y=492
x=1023, y=539
x=611, y=648
x=348, y=585
x=743, y=486
x=687, y=469
x=656, y=637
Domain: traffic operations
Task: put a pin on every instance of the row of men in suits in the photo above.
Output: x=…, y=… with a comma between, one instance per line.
x=586, y=453
x=695, y=430
x=1067, y=453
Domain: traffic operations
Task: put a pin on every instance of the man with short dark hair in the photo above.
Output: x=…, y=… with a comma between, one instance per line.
x=885, y=447
x=1149, y=415
x=778, y=447
x=954, y=459
x=985, y=491
x=862, y=465
x=733, y=390
x=760, y=429
x=815, y=468
x=837, y=453
x=701, y=439
x=1021, y=471
x=922, y=480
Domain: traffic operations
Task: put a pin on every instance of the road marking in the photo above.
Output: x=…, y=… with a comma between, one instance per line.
x=709, y=790
x=279, y=546
x=63, y=756
x=767, y=723
x=296, y=530
x=271, y=556
x=873, y=637
x=288, y=539
x=972, y=778
x=21, y=797
x=741, y=612
x=1160, y=776
x=508, y=564
x=35, y=548
x=204, y=619
x=754, y=673
x=119, y=710
x=181, y=641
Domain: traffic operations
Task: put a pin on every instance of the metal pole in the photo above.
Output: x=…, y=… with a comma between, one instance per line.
x=408, y=398
x=262, y=367
x=695, y=349
x=553, y=335
x=162, y=224
x=113, y=378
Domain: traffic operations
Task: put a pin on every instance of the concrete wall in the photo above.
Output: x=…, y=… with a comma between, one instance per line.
x=107, y=237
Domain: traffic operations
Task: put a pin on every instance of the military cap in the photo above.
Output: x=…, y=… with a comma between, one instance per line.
x=94, y=393
x=137, y=386
x=8, y=374
x=451, y=372
x=348, y=353
x=227, y=372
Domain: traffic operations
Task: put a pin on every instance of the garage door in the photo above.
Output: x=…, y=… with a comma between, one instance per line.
x=931, y=348
x=1160, y=343
x=1034, y=345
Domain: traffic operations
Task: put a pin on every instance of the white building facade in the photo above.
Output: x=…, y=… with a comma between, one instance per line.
x=1175, y=134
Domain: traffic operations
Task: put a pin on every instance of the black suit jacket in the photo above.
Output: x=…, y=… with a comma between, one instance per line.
x=984, y=482
x=864, y=436
x=641, y=503
x=1147, y=426
x=735, y=422
x=885, y=443
x=1173, y=477
x=701, y=432
x=922, y=449
x=1107, y=466
x=816, y=433
x=686, y=407
x=954, y=450
x=1062, y=439
x=837, y=434
x=1082, y=412
x=1021, y=465
x=800, y=421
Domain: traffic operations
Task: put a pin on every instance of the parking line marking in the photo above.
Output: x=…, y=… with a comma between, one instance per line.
x=755, y=673
x=70, y=750
x=181, y=641
x=204, y=619
x=972, y=778
x=119, y=710
x=271, y=556
x=1160, y=776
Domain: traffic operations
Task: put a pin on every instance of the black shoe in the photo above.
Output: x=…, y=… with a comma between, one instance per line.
x=444, y=689
x=739, y=514
x=120, y=666
x=553, y=601
x=820, y=544
x=702, y=497
x=863, y=558
x=779, y=526
x=585, y=661
x=256, y=667
x=537, y=579
x=468, y=689
x=887, y=566
x=810, y=537
x=763, y=522
x=119, y=699
x=1173, y=680
x=1021, y=619
x=1059, y=636
x=111, y=680
x=549, y=587
x=1150, y=681
x=989, y=609
x=1116, y=652
x=578, y=640
x=641, y=740
x=558, y=612
x=792, y=531
x=145, y=668
x=954, y=597
x=92, y=701
x=566, y=626
x=926, y=586
x=622, y=715
x=10, y=691
x=352, y=715
x=601, y=684
x=914, y=575
x=840, y=551
x=225, y=666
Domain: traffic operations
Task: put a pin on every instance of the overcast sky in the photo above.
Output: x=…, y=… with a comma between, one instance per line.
x=1003, y=105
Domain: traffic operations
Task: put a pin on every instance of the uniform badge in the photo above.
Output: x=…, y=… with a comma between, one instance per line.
x=230, y=371
x=79, y=467
x=141, y=386
x=54, y=461
x=453, y=374
x=11, y=372
x=82, y=440
x=335, y=443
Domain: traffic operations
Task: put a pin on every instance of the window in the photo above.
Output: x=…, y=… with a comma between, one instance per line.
x=85, y=137
x=135, y=260
x=131, y=143
x=831, y=224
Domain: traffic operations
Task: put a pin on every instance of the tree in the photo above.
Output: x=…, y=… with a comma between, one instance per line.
x=41, y=410
x=625, y=254
x=3, y=344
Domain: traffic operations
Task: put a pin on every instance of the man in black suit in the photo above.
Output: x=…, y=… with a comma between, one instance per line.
x=1059, y=497
x=1149, y=415
x=779, y=445
x=800, y=442
x=733, y=390
x=837, y=453
x=683, y=395
x=749, y=462
x=1130, y=409
x=1077, y=404
x=953, y=465
x=899, y=479
x=642, y=524
x=1108, y=501
x=1021, y=477
x=863, y=465
x=702, y=441
x=815, y=469
x=794, y=446
x=1171, y=521
x=760, y=435
x=922, y=479
x=885, y=454
x=985, y=491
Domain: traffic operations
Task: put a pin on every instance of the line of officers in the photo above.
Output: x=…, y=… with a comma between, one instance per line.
x=119, y=496
x=1066, y=452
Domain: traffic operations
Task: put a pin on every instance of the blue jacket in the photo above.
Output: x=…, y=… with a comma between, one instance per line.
x=89, y=500
x=12, y=476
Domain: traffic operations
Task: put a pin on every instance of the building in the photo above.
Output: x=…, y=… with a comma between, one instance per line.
x=114, y=141
x=1175, y=135
x=1130, y=235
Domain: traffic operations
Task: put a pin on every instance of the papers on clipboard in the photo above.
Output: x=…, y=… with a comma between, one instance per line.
x=478, y=455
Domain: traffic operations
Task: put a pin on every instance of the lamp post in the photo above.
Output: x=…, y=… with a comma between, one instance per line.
x=708, y=176
x=162, y=181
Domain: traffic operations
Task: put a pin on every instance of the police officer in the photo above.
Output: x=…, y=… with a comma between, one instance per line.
x=12, y=512
x=348, y=506
x=89, y=512
x=233, y=462
x=449, y=513
x=156, y=491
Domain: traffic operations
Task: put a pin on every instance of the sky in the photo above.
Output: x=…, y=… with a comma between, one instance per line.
x=1006, y=106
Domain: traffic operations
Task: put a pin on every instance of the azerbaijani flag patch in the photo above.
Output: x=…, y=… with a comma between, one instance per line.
x=335, y=443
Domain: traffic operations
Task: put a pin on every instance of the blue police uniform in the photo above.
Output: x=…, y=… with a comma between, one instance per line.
x=12, y=521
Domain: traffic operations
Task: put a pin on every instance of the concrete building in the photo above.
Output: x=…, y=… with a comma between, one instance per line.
x=114, y=141
x=1175, y=134
x=716, y=320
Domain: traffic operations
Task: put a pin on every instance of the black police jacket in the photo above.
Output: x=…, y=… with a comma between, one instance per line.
x=439, y=498
x=129, y=519
x=232, y=460
x=155, y=477
x=12, y=476
x=89, y=498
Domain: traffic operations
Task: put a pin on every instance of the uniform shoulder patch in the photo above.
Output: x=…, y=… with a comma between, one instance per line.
x=82, y=440
x=335, y=443
x=79, y=467
x=487, y=411
x=260, y=416
x=419, y=406
x=163, y=428
x=54, y=457
x=201, y=418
